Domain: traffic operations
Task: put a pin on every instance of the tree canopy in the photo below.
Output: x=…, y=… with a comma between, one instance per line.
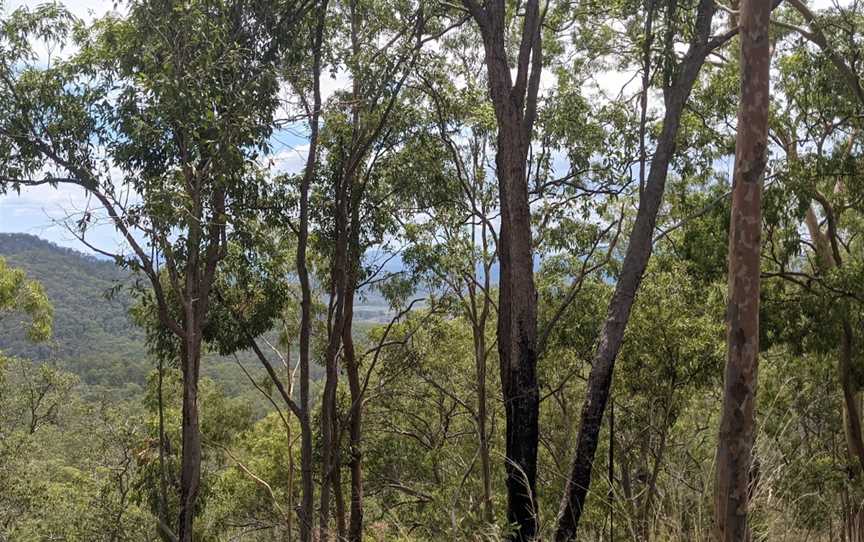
x=420, y=270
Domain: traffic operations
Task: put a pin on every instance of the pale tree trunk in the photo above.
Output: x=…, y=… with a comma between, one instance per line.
x=734, y=449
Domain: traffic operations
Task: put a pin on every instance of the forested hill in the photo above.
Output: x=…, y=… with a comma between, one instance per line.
x=93, y=332
x=94, y=336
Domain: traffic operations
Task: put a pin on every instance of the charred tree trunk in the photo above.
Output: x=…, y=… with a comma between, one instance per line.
x=635, y=261
x=517, y=334
x=515, y=109
x=735, y=444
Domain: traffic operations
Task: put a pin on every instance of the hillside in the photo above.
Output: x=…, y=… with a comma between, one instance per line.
x=93, y=332
x=94, y=336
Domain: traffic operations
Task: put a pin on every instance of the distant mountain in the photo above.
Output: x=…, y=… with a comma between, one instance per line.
x=92, y=329
x=94, y=335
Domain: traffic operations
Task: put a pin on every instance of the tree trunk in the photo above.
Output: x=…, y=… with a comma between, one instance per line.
x=336, y=480
x=517, y=331
x=735, y=444
x=485, y=459
x=165, y=532
x=515, y=109
x=338, y=290
x=308, y=491
x=355, y=461
x=639, y=250
x=190, y=466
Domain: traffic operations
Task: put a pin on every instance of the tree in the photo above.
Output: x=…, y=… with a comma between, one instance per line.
x=515, y=104
x=149, y=98
x=22, y=297
x=362, y=127
x=678, y=82
x=742, y=316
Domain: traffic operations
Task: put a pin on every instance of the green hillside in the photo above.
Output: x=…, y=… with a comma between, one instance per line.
x=93, y=333
x=94, y=336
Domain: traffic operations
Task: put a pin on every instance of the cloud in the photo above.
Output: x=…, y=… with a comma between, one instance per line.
x=290, y=159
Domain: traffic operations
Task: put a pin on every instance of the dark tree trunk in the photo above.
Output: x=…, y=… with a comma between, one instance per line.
x=336, y=481
x=190, y=466
x=165, y=532
x=352, y=369
x=355, y=460
x=515, y=109
x=517, y=334
x=308, y=491
x=338, y=290
x=742, y=317
x=636, y=259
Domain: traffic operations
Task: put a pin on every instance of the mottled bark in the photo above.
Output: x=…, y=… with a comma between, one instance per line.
x=639, y=250
x=734, y=449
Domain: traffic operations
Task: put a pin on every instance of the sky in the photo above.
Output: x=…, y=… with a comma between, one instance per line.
x=38, y=210
x=42, y=210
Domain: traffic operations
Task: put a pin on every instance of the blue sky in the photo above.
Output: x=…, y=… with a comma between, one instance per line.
x=38, y=210
x=42, y=211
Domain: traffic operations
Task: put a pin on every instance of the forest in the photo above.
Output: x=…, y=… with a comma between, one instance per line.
x=421, y=270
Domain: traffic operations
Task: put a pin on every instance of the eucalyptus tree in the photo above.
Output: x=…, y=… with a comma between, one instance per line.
x=160, y=118
x=358, y=206
x=313, y=111
x=816, y=134
x=515, y=105
x=452, y=248
x=742, y=318
x=677, y=79
x=23, y=297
